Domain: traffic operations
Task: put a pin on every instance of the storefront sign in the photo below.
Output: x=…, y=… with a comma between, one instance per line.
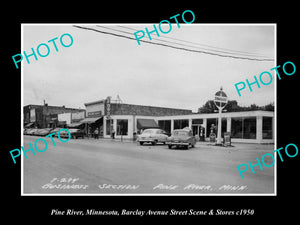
x=32, y=115
x=94, y=114
x=108, y=107
x=77, y=116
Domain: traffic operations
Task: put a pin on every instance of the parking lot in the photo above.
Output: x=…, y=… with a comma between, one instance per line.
x=105, y=166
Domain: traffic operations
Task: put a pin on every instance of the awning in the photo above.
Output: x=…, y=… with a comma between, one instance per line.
x=29, y=125
x=90, y=120
x=74, y=124
x=146, y=123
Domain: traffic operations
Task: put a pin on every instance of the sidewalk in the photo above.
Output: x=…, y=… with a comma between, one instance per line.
x=202, y=144
x=111, y=140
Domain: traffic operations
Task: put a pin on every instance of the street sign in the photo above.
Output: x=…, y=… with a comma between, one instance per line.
x=220, y=99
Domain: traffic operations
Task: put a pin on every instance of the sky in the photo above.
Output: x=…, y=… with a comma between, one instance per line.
x=98, y=65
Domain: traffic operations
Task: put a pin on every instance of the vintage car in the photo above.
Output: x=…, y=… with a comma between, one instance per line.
x=32, y=131
x=182, y=138
x=26, y=131
x=75, y=133
x=55, y=130
x=152, y=136
x=43, y=131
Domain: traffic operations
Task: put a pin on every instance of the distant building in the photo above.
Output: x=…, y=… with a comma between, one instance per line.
x=42, y=116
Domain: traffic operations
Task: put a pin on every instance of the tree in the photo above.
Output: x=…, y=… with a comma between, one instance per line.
x=269, y=107
x=208, y=107
x=232, y=106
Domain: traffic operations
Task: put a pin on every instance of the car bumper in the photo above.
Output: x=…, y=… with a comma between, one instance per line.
x=177, y=143
x=146, y=140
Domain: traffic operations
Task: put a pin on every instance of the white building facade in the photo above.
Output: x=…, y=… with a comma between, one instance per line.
x=125, y=121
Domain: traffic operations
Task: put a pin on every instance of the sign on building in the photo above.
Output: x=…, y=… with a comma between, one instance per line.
x=77, y=116
x=64, y=117
x=32, y=115
x=107, y=106
x=94, y=114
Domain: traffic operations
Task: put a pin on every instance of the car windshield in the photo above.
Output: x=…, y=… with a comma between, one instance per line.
x=180, y=133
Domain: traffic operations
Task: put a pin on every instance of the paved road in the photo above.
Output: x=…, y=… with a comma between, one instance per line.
x=91, y=166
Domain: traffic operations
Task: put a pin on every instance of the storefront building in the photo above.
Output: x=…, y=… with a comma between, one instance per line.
x=125, y=121
x=43, y=116
x=246, y=127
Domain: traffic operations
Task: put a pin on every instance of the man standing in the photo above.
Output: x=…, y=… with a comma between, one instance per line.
x=113, y=134
x=96, y=133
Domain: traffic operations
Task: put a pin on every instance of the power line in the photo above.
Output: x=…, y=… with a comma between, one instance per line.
x=173, y=42
x=195, y=43
x=165, y=45
x=161, y=40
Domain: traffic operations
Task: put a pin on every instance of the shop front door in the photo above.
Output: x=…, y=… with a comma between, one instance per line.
x=196, y=130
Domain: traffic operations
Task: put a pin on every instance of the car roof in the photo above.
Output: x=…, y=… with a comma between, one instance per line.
x=182, y=130
x=152, y=129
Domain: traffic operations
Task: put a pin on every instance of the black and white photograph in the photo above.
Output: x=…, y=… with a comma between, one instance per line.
x=160, y=113
x=148, y=109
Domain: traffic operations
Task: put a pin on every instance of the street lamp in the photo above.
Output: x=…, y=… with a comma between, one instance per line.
x=220, y=102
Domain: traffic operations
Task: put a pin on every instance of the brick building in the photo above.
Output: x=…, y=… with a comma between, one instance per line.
x=124, y=119
x=42, y=116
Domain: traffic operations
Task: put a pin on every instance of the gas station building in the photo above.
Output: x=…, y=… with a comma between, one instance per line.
x=247, y=126
x=127, y=120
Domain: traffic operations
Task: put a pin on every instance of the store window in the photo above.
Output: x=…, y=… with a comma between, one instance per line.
x=267, y=128
x=180, y=124
x=237, y=127
x=214, y=122
x=211, y=123
x=244, y=128
x=109, y=126
x=165, y=125
x=122, y=127
x=249, y=128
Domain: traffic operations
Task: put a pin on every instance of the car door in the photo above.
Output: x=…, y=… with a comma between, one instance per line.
x=191, y=138
x=158, y=135
x=163, y=136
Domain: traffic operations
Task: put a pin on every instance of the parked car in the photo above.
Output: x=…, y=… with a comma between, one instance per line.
x=152, y=136
x=75, y=133
x=26, y=130
x=55, y=130
x=43, y=131
x=182, y=138
x=32, y=131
